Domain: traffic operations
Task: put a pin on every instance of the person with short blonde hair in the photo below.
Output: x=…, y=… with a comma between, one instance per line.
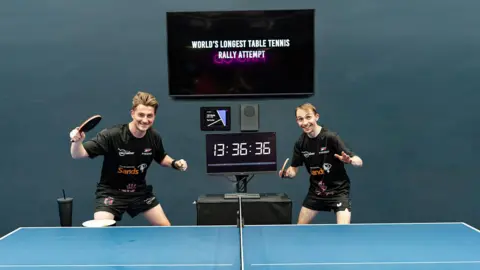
x=146, y=99
x=324, y=154
x=128, y=151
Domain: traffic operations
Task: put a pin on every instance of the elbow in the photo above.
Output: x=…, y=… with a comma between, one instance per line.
x=78, y=152
x=78, y=155
x=74, y=156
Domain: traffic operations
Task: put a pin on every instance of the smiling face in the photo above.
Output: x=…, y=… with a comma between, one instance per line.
x=144, y=109
x=307, y=118
x=143, y=117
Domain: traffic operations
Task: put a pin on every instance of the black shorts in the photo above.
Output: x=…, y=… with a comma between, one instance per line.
x=329, y=204
x=117, y=202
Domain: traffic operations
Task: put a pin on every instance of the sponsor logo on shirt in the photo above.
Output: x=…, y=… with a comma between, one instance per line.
x=307, y=154
x=130, y=188
x=321, y=171
x=327, y=167
x=142, y=167
x=132, y=170
x=324, y=150
x=322, y=189
x=123, y=152
x=317, y=171
x=147, y=152
x=128, y=170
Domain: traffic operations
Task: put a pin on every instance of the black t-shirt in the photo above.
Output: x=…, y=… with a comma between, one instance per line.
x=126, y=158
x=328, y=177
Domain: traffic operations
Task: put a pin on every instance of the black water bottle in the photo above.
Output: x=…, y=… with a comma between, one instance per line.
x=65, y=210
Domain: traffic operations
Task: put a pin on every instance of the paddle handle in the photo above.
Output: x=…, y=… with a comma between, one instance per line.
x=283, y=167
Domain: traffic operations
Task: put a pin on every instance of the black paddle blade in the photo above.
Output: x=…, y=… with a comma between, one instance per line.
x=90, y=123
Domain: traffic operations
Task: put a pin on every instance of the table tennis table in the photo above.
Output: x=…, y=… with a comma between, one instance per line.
x=403, y=246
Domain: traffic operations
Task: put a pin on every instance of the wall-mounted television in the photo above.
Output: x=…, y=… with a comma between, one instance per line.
x=240, y=53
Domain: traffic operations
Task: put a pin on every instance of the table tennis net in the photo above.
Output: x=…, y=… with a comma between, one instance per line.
x=240, y=224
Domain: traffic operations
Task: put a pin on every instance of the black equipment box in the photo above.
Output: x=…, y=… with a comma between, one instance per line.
x=257, y=209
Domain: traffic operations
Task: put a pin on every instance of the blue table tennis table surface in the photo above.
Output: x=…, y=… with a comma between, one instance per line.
x=407, y=246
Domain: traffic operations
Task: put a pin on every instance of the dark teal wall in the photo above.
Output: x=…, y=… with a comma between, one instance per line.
x=397, y=79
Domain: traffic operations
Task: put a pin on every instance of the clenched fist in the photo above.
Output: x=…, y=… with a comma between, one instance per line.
x=181, y=165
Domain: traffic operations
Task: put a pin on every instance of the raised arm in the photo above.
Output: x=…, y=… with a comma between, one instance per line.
x=91, y=148
x=344, y=153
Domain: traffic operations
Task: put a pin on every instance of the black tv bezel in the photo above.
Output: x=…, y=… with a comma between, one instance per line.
x=236, y=95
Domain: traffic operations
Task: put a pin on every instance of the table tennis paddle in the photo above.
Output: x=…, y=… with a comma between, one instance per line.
x=283, y=168
x=90, y=123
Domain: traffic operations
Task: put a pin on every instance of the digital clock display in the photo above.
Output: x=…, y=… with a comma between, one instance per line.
x=237, y=153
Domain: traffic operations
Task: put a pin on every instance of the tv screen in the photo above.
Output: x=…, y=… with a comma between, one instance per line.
x=241, y=53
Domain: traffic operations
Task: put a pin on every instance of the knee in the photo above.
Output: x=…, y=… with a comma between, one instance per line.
x=303, y=221
x=344, y=217
x=306, y=215
x=343, y=220
x=101, y=215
